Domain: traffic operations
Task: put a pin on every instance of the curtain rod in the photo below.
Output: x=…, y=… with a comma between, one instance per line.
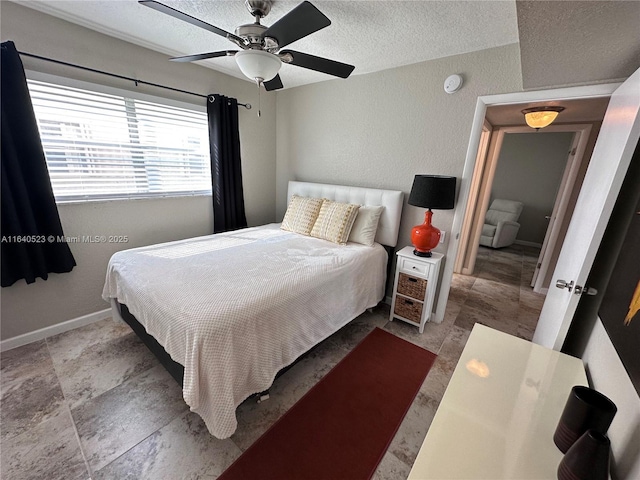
x=122, y=77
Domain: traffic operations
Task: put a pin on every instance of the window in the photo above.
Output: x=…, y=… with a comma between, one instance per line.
x=102, y=145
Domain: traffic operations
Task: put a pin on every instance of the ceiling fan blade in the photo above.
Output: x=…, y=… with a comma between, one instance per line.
x=298, y=23
x=188, y=18
x=319, y=64
x=203, y=56
x=274, y=84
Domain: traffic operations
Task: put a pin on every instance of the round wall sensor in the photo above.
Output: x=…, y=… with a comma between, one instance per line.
x=453, y=83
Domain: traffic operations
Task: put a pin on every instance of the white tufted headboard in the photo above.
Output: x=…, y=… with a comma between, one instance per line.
x=392, y=201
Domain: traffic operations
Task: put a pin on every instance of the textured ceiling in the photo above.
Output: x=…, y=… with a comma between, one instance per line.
x=562, y=42
x=577, y=42
x=372, y=35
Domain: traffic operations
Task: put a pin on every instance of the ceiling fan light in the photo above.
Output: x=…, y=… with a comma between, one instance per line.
x=257, y=64
x=540, y=117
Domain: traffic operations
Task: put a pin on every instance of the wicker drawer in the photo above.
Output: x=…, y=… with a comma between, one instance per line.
x=411, y=286
x=409, y=309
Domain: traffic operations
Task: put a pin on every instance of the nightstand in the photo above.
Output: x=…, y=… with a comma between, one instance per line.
x=414, y=288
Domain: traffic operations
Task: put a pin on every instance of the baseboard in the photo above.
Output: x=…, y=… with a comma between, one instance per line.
x=528, y=244
x=36, y=335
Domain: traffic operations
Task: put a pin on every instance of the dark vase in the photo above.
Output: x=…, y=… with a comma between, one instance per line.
x=587, y=459
x=585, y=409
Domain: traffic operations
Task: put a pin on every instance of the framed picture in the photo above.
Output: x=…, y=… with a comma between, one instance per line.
x=620, y=308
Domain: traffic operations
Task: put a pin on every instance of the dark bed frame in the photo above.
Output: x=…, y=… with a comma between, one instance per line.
x=174, y=368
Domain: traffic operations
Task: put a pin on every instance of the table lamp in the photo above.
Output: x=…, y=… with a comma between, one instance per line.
x=431, y=192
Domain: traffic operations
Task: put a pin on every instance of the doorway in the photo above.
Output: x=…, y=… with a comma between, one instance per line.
x=543, y=170
x=522, y=100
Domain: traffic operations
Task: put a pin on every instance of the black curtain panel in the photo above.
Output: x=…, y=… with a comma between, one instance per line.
x=32, y=243
x=226, y=171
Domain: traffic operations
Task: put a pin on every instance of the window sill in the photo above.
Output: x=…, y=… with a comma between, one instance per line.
x=127, y=199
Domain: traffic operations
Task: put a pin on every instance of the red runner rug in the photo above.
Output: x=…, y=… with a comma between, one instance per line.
x=342, y=427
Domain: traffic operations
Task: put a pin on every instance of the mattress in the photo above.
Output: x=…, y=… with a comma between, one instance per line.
x=235, y=308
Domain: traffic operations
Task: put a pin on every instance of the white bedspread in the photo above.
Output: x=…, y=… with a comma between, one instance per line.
x=235, y=308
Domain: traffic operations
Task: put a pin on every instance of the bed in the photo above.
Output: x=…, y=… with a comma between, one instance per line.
x=231, y=310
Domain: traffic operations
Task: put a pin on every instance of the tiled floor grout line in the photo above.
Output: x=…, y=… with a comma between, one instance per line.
x=75, y=431
x=75, y=428
x=68, y=408
x=143, y=440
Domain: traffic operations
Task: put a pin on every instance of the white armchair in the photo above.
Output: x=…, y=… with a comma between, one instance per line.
x=501, y=223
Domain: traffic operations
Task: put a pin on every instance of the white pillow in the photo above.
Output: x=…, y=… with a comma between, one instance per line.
x=366, y=225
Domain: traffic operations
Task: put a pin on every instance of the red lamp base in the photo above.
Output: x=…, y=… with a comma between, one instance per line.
x=425, y=237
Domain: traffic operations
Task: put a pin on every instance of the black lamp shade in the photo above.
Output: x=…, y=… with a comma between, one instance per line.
x=433, y=191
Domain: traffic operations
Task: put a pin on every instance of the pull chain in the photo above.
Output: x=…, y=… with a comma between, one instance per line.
x=259, y=82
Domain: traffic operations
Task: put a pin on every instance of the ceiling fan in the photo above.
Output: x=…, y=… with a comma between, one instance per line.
x=260, y=57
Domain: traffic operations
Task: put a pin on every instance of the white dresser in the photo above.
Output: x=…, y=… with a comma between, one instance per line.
x=499, y=412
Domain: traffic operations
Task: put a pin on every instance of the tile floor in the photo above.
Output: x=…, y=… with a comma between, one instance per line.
x=94, y=403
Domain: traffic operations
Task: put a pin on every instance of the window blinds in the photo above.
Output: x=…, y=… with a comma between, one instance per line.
x=101, y=145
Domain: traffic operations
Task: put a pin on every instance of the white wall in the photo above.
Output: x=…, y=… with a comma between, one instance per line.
x=530, y=168
x=381, y=129
x=26, y=308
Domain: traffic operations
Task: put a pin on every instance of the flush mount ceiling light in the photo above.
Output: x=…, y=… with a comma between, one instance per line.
x=540, y=117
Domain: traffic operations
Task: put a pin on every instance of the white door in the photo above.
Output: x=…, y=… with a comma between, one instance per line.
x=552, y=237
x=609, y=163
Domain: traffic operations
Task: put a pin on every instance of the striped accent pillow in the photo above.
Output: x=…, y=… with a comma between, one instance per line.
x=301, y=214
x=335, y=221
